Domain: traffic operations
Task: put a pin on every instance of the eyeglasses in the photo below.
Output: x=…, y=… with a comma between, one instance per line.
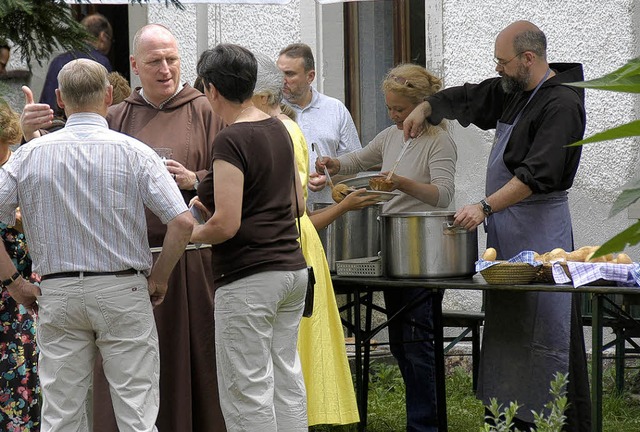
x=401, y=81
x=504, y=63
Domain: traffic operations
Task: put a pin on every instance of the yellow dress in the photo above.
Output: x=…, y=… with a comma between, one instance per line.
x=330, y=395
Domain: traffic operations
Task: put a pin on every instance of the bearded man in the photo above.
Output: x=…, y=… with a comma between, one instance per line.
x=525, y=207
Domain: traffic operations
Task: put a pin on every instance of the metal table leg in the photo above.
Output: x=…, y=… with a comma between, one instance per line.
x=441, y=394
x=619, y=362
x=366, y=363
x=596, y=363
x=357, y=335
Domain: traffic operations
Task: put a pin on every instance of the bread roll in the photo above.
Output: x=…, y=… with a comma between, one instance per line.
x=604, y=258
x=558, y=254
x=490, y=254
x=578, y=255
x=623, y=258
x=339, y=192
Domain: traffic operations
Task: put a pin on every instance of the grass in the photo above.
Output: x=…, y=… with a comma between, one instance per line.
x=465, y=413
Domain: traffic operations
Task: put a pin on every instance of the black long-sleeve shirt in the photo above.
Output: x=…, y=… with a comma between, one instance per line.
x=536, y=152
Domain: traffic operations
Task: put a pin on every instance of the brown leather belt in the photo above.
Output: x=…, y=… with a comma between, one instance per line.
x=77, y=274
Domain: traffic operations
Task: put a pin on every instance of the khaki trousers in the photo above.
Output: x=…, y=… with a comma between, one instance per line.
x=259, y=373
x=79, y=316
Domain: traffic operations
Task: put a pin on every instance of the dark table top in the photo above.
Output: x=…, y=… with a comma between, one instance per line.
x=475, y=282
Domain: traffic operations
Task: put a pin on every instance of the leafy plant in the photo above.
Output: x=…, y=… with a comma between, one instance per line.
x=627, y=80
x=39, y=27
x=498, y=421
x=557, y=406
x=553, y=422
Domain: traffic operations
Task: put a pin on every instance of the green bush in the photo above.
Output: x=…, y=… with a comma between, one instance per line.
x=502, y=421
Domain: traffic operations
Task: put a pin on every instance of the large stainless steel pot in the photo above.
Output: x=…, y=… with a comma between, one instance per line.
x=355, y=234
x=427, y=245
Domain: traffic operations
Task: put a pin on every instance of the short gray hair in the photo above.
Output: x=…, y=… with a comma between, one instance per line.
x=82, y=83
x=270, y=80
x=531, y=40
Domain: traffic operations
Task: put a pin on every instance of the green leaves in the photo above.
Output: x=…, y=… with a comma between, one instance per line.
x=624, y=131
x=630, y=194
x=626, y=79
x=40, y=27
x=628, y=237
x=501, y=420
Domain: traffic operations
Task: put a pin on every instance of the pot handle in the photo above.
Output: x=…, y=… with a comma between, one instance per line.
x=448, y=228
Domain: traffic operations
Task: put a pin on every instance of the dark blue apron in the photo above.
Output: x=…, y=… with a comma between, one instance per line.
x=526, y=335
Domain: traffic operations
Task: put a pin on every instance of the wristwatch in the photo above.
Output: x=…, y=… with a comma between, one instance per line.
x=196, y=183
x=5, y=283
x=486, y=208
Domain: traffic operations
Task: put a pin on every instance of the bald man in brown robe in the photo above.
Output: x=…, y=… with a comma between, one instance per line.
x=166, y=114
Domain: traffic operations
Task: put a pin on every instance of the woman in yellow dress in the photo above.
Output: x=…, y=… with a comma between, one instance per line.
x=330, y=394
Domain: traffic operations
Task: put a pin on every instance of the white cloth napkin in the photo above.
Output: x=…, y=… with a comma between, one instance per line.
x=522, y=257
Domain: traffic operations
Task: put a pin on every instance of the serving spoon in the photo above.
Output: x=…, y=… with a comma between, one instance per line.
x=316, y=149
x=395, y=165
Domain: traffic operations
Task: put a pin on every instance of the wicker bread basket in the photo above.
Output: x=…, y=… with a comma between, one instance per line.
x=509, y=273
x=545, y=273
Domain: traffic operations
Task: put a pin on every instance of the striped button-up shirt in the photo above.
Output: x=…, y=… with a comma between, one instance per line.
x=82, y=192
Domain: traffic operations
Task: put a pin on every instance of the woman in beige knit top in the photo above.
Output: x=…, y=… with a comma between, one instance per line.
x=424, y=177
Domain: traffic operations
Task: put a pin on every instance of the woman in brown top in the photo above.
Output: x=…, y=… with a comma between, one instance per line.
x=260, y=274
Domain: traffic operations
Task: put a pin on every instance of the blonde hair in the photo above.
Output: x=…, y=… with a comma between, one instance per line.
x=10, y=131
x=83, y=83
x=121, y=88
x=288, y=111
x=416, y=84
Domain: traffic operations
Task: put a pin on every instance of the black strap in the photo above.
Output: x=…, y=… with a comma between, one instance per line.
x=5, y=283
x=295, y=192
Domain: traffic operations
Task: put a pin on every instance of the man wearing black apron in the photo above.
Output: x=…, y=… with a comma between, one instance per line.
x=528, y=337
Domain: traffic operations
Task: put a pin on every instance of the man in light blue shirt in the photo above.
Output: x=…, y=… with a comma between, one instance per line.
x=324, y=120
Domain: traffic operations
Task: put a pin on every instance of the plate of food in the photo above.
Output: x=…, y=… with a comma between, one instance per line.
x=380, y=183
x=361, y=181
x=340, y=191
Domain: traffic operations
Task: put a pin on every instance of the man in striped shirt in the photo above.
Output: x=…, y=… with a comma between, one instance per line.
x=82, y=192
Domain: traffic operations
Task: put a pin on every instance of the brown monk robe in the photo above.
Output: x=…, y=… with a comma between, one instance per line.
x=188, y=384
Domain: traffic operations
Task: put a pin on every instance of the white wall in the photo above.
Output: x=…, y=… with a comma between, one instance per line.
x=460, y=36
x=263, y=28
x=602, y=36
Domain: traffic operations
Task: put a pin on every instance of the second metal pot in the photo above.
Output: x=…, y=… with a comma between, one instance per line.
x=355, y=234
x=427, y=245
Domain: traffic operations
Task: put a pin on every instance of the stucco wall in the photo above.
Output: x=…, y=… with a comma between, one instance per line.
x=602, y=36
x=262, y=28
